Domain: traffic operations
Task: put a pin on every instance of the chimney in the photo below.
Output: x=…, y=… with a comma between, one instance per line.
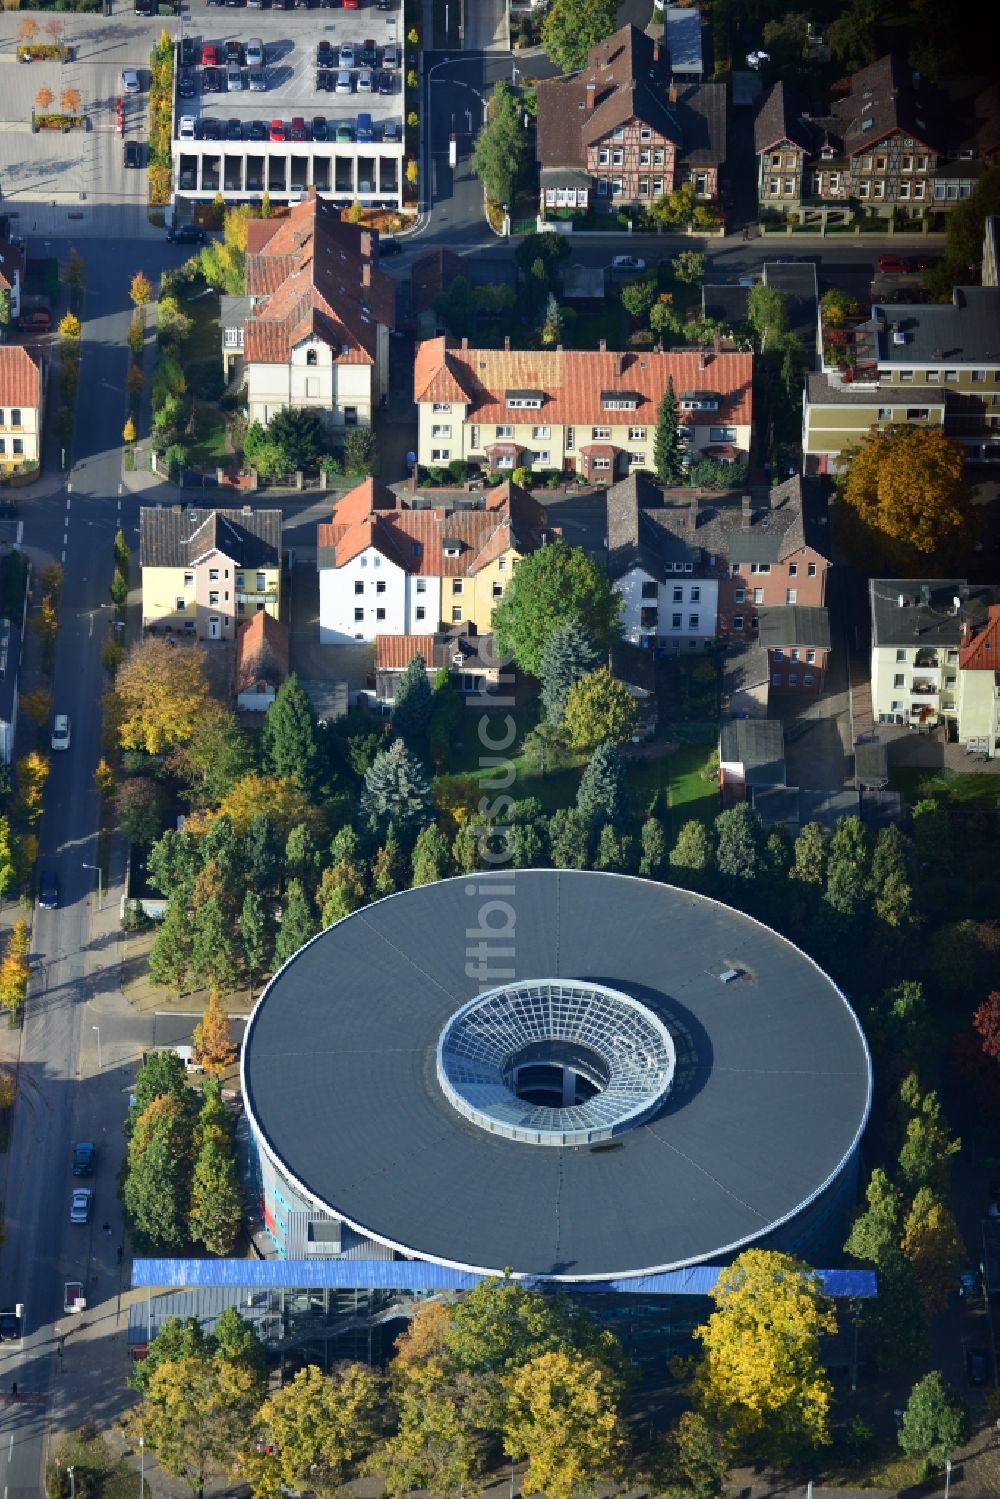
x=746, y=511
x=620, y=365
x=703, y=361
x=656, y=53
x=465, y=345
x=506, y=343
x=366, y=274
x=366, y=242
x=591, y=94
x=672, y=93
x=718, y=341
x=603, y=345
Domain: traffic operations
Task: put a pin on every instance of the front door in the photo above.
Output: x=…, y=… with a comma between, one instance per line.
x=214, y=628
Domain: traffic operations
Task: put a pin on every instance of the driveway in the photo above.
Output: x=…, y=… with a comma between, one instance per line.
x=322, y=664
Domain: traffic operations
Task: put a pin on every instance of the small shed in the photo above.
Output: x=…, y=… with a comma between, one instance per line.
x=871, y=765
x=261, y=661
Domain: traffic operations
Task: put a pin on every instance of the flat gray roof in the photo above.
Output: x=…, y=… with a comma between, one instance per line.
x=963, y=331
x=770, y=1093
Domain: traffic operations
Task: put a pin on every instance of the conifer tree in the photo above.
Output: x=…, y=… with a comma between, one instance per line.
x=569, y=654
x=431, y=856
x=668, y=449
x=297, y=923
x=290, y=743
x=653, y=854
x=213, y=1045
x=602, y=796
x=413, y=702
x=396, y=789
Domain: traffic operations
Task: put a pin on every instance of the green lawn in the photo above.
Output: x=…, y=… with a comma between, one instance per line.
x=205, y=339
x=953, y=786
x=209, y=443
x=587, y=330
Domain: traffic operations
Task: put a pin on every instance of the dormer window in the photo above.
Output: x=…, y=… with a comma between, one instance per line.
x=524, y=400
x=311, y=356
x=451, y=547
x=699, y=400
x=619, y=400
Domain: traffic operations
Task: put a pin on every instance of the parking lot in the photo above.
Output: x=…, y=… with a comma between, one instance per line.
x=258, y=106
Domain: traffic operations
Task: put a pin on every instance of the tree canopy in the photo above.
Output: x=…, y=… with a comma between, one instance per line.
x=552, y=585
x=599, y=710
x=159, y=696
x=907, y=487
x=501, y=147
x=571, y=27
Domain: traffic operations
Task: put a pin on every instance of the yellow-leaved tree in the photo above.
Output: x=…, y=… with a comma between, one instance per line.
x=212, y=1042
x=906, y=485
x=933, y=1246
x=277, y=796
x=760, y=1375
x=318, y=1428
x=562, y=1415
x=599, y=710
x=194, y=1414
x=159, y=695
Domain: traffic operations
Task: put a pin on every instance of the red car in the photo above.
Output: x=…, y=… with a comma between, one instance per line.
x=893, y=265
x=352, y=5
x=209, y=55
x=277, y=130
x=298, y=130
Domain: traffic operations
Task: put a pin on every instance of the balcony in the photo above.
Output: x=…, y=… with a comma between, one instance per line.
x=649, y=618
x=925, y=688
x=926, y=659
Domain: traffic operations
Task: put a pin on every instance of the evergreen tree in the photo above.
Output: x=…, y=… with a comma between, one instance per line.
x=847, y=885
x=346, y=846
x=396, y=790
x=925, y=1157
x=615, y=851
x=809, y=864
x=341, y=890
x=569, y=654
x=389, y=866
x=297, y=923
x=290, y=740
x=668, y=448
x=653, y=854
x=602, y=795
x=216, y=1204
x=568, y=840
x=935, y=1423
x=302, y=857
x=739, y=835
x=431, y=856
x=215, y=956
x=413, y=702
x=892, y=856
x=692, y=855
x=447, y=718
x=170, y=957
x=255, y=935
x=153, y=1196
x=262, y=861
x=778, y=855
x=528, y=848
x=875, y=1232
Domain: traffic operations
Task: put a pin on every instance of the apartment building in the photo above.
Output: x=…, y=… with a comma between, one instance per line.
x=895, y=142
x=206, y=571
x=581, y=411
x=22, y=402
x=317, y=335
x=388, y=568
x=928, y=366
x=691, y=571
x=933, y=642
x=622, y=131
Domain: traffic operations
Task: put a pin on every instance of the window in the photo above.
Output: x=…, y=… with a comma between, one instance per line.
x=15, y=416
x=740, y=596
x=310, y=356
x=793, y=655
x=918, y=189
x=773, y=188
x=537, y=432
x=380, y=586
x=810, y=657
x=917, y=413
x=789, y=595
x=600, y=434
x=793, y=569
x=675, y=621
x=880, y=163
x=359, y=615
x=643, y=187
x=789, y=187
x=359, y=587
x=692, y=621
x=906, y=165
x=811, y=569
x=364, y=562
x=618, y=134
x=760, y=567
x=696, y=594
x=776, y=160
x=722, y=434
x=951, y=376
x=498, y=590
x=758, y=595
x=213, y=598
x=637, y=434
x=189, y=580
x=864, y=188
x=658, y=158
x=501, y=564
x=213, y=575
x=978, y=377
x=421, y=585
x=441, y=406
x=456, y=585
x=644, y=158
x=678, y=594
x=904, y=190
x=835, y=182
x=603, y=157
x=380, y=614
x=440, y=455
x=440, y=431
x=807, y=680
x=473, y=438
x=312, y=386
x=885, y=413
x=906, y=377
x=261, y=583
x=737, y=621
x=776, y=679
x=657, y=186
x=570, y=437
x=419, y=612
x=793, y=679
x=649, y=590
x=921, y=163
x=617, y=158
x=645, y=134
x=350, y=416
x=540, y=458
x=180, y=604
x=616, y=187
x=504, y=431
x=899, y=680
x=900, y=655
x=456, y=614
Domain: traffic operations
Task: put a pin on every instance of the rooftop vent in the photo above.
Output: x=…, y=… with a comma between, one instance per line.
x=728, y=974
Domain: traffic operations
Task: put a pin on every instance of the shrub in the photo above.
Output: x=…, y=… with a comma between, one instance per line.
x=459, y=470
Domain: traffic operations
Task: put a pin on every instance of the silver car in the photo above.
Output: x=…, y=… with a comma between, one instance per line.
x=258, y=82
x=343, y=83
x=80, y=1205
x=365, y=81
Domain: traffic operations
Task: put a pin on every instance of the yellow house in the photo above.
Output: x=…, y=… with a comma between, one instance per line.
x=205, y=571
x=20, y=409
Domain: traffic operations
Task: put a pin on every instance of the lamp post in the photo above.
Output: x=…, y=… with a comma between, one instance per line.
x=142, y=1468
x=97, y=1031
x=100, y=883
x=947, y=1476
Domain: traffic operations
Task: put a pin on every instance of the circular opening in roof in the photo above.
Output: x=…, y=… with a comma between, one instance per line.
x=552, y=1062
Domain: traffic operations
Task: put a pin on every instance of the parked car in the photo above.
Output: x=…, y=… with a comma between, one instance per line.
x=74, y=1299
x=390, y=56
x=627, y=263
x=80, y=1204
x=346, y=58
x=391, y=131
x=130, y=81
x=319, y=129
x=188, y=55
x=211, y=81
x=326, y=54
x=325, y=81
x=186, y=86
x=132, y=154
x=384, y=4
x=61, y=730
x=84, y=1156
x=234, y=79
x=893, y=265
x=37, y=320
x=364, y=130
x=383, y=82
x=210, y=55
x=369, y=53
x=366, y=83
x=343, y=83
x=345, y=133
x=186, y=234
x=968, y=1283
x=185, y=128
x=977, y=1365
x=277, y=131
x=48, y=890
x=10, y=1325
x=257, y=81
x=297, y=130
x=388, y=246
x=234, y=129
x=234, y=51
x=8, y=509
x=258, y=130
x=211, y=129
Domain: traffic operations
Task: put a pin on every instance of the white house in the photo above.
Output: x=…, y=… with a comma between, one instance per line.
x=11, y=273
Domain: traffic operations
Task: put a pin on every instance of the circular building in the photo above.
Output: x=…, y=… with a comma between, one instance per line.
x=580, y=1077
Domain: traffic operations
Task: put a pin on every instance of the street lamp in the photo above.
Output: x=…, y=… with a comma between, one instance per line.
x=100, y=882
x=947, y=1476
x=142, y=1468
x=97, y=1030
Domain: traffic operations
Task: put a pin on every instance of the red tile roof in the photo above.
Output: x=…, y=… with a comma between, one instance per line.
x=314, y=275
x=415, y=539
x=572, y=381
x=261, y=651
x=20, y=377
x=395, y=652
x=982, y=651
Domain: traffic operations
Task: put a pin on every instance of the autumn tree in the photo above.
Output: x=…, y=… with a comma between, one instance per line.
x=696, y=1459
x=213, y=1047
x=27, y=29
x=760, y=1376
x=552, y=585
x=933, y=1245
x=907, y=487
x=37, y=704
x=319, y=1427
x=44, y=98
x=276, y=797
x=140, y=289
x=599, y=710
x=562, y=1415
x=15, y=971
x=160, y=693
x=986, y=1022
x=69, y=98
x=194, y=1414
x=10, y=857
